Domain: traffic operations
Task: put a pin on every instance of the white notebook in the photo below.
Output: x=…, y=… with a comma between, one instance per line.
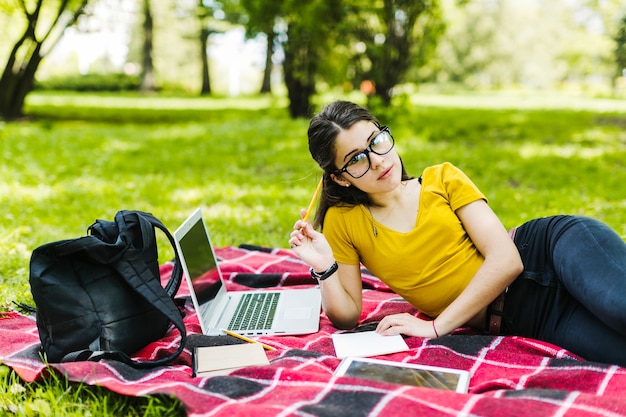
x=363, y=344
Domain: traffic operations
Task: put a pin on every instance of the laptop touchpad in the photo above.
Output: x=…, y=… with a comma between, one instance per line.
x=297, y=313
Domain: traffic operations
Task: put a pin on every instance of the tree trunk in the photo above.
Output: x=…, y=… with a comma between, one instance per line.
x=8, y=83
x=16, y=84
x=266, y=87
x=147, y=73
x=300, y=94
x=18, y=77
x=206, y=79
x=300, y=67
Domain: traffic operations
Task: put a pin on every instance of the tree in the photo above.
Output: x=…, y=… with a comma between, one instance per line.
x=465, y=49
x=311, y=30
x=203, y=14
x=261, y=18
x=394, y=36
x=210, y=18
x=532, y=44
x=147, y=69
x=620, y=48
x=44, y=24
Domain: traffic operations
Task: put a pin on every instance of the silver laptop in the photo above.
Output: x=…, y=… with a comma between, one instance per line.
x=250, y=313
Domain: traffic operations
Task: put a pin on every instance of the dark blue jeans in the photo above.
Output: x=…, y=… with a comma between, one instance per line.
x=572, y=292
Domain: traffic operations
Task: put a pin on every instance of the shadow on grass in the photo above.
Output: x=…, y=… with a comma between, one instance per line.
x=131, y=115
x=138, y=109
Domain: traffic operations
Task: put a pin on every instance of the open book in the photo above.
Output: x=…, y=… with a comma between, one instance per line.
x=405, y=374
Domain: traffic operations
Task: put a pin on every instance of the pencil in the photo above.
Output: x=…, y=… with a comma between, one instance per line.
x=247, y=339
x=317, y=192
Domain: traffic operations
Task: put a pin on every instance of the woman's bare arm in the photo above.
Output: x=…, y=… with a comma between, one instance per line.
x=341, y=296
x=501, y=266
x=341, y=292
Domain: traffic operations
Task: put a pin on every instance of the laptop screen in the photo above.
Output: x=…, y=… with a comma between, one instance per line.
x=201, y=262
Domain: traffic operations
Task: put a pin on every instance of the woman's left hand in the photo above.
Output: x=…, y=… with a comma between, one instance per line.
x=406, y=324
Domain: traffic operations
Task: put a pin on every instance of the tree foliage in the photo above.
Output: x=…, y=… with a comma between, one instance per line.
x=311, y=30
x=44, y=21
x=348, y=41
x=261, y=17
x=504, y=43
x=203, y=18
x=330, y=43
x=390, y=37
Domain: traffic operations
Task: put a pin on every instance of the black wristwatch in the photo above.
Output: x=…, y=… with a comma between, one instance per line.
x=322, y=276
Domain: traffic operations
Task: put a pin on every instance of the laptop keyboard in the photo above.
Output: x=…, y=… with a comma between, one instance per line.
x=255, y=311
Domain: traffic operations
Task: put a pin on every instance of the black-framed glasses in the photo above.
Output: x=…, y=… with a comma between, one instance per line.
x=360, y=163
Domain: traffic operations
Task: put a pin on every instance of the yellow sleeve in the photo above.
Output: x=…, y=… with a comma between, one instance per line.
x=458, y=189
x=338, y=223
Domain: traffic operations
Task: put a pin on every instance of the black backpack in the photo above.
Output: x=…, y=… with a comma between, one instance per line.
x=100, y=296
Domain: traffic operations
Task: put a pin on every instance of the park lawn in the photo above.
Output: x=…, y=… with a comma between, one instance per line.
x=75, y=158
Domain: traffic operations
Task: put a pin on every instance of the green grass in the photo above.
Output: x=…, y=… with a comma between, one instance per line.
x=76, y=158
x=55, y=396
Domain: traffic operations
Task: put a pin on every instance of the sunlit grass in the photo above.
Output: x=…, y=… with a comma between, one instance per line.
x=515, y=100
x=76, y=158
x=563, y=151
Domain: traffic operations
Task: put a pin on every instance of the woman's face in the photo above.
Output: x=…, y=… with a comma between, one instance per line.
x=353, y=151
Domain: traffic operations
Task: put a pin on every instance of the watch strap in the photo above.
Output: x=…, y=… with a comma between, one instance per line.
x=321, y=276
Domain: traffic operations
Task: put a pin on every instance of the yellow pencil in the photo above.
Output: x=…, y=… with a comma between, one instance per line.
x=317, y=192
x=247, y=339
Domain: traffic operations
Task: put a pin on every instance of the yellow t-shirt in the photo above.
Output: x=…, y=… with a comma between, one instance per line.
x=428, y=266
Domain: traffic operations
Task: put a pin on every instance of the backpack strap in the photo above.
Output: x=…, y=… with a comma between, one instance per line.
x=139, y=276
x=148, y=222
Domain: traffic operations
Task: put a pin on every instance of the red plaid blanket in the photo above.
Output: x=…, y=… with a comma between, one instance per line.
x=510, y=375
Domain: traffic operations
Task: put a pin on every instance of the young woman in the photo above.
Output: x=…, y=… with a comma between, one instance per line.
x=435, y=241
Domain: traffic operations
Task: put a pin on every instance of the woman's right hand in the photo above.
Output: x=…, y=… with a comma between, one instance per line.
x=311, y=246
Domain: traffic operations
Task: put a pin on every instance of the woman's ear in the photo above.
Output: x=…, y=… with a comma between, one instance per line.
x=339, y=180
